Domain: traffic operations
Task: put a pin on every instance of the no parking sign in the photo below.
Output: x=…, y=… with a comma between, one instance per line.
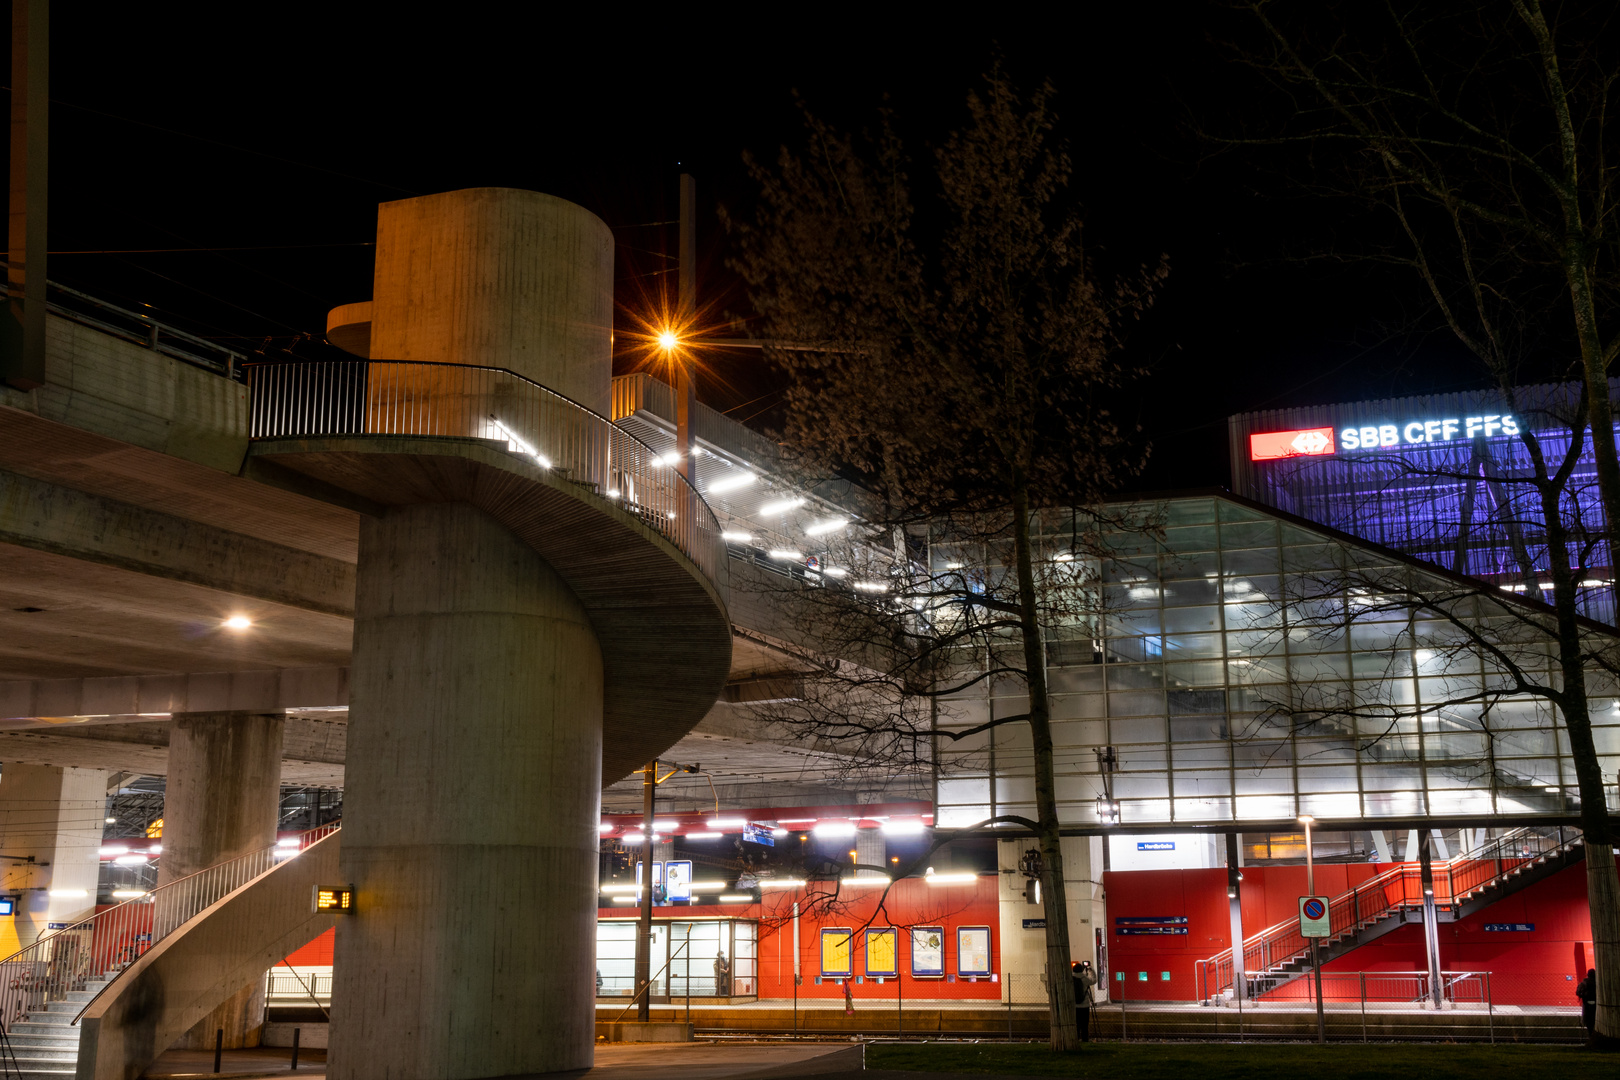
x=1313, y=916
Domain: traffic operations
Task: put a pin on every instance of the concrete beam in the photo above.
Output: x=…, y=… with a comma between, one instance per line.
x=128, y=696
x=64, y=521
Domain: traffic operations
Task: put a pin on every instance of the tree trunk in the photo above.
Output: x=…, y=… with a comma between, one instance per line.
x=1054, y=899
x=1602, y=886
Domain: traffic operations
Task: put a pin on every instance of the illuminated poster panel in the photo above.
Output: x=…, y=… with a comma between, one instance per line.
x=835, y=941
x=882, y=949
x=928, y=952
x=973, y=950
x=677, y=879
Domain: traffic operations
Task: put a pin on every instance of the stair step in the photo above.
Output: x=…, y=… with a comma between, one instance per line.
x=34, y=1027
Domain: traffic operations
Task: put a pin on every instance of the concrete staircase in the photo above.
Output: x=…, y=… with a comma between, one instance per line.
x=46, y=1045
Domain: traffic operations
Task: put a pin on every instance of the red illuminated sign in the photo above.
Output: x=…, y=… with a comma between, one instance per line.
x=1286, y=444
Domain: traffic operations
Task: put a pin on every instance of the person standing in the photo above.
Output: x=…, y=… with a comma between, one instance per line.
x=1586, y=991
x=1085, y=980
x=722, y=975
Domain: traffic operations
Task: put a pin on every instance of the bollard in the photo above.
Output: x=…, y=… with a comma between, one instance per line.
x=295, y=1049
x=219, y=1046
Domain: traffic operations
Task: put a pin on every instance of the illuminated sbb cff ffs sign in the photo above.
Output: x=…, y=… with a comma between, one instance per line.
x=1286, y=444
x=333, y=900
x=1374, y=436
x=1311, y=442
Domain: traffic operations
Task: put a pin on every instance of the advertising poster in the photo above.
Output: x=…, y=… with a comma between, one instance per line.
x=835, y=941
x=928, y=952
x=973, y=950
x=881, y=948
x=678, y=879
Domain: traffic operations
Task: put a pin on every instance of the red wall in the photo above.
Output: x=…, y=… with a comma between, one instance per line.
x=1539, y=967
x=910, y=902
x=316, y=953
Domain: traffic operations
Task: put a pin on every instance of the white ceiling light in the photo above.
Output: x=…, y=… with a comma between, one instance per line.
x=786, y=556
x=730, y=482
x=736, y=898
x=951, y=879
x=821, y=528
x=872, y=586
x=128, y=894
x=835, y=571
x=237, y=622
x=632, y=838
x=834, y=830
x=115, y=849
x=127, y=860
x=704, y=835
x=737, y=537
x=781, y=506
x=781, y=883
x=726, y=823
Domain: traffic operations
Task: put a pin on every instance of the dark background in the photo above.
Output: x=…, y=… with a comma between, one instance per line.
x=272, y=131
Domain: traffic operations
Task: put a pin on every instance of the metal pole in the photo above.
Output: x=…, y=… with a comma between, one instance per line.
x=1490, y=1011
x=1431, y=925
x=295, y=1049
x=649, y=786
x=219, y=1046
x=1363, y=1006
x=686, y=306
x=1316, y=956
x=795, y=967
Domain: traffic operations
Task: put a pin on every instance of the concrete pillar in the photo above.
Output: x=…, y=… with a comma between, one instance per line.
x=471, y=803
x=870, y=850
x=1234, y=913
x=222, y=802
x=500, y=278
x=1431, y=926
x=53, y=815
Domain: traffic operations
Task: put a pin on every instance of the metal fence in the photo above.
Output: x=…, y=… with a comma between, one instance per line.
x=564, y=438
x=1367, y=1006
x=105, y=944
x=285, y=986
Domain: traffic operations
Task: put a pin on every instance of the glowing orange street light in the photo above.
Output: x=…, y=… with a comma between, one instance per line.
x=667, y=340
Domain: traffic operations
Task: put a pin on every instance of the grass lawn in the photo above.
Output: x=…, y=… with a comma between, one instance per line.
x=1226, y=1061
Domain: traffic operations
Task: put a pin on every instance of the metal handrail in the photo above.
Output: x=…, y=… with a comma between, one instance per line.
x=1396, y=889
x=517, y=414
x=207, y=887
x=64, y=961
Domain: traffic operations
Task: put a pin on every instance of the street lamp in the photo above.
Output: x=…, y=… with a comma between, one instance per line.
x=1316, y=958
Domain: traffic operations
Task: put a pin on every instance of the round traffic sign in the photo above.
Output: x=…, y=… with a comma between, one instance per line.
x=1314, y=908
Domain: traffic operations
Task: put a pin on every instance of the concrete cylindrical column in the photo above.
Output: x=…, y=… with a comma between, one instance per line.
x=471, y=803
x=498, y=277
x=222, y=802
x=53, y=815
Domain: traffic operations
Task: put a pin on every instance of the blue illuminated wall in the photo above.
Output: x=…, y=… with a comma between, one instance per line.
x=1434, y=492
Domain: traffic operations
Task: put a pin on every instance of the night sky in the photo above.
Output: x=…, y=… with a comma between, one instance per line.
x=274, y=130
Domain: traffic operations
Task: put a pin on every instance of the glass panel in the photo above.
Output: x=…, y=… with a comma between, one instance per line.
x=1191, y=620
x=1187, y=646
x=1248, y=535
x=1192, y=538
x=1190, y=591
x=1257, y=560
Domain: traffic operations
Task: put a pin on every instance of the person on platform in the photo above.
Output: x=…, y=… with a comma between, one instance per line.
x=1586, y=991
x=1085, y=979
x=722, y=975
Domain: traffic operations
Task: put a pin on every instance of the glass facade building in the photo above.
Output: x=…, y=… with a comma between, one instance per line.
x=1440, y=478
x=1246, y=666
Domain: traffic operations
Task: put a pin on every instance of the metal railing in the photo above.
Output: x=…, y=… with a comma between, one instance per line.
x=141, y=329
x=1387, y=895
x=64, y=961
x=574, y=444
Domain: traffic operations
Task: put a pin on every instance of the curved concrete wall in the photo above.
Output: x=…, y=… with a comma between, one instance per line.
x=471, y=805
x=192, y=971
x=502, y=278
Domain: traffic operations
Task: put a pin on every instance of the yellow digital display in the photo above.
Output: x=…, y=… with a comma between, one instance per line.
x=334, y=899
x=881, y=960
x=835, y=951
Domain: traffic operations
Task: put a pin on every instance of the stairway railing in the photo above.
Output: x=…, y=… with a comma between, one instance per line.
x=1397, y=889
x=65, y=960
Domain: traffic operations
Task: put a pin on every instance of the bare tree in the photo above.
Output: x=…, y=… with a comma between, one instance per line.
x=955, y=355
x=1478, y=137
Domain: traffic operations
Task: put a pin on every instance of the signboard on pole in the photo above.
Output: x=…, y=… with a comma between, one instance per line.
x=1313, y=917
x=759, y=832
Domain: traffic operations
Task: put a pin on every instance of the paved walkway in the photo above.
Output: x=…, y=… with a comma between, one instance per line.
x=237, y=1064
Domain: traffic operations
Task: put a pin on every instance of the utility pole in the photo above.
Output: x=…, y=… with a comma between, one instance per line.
x=22, y=331
x=649, y=788
x=685, y=309
x=1316, y=956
